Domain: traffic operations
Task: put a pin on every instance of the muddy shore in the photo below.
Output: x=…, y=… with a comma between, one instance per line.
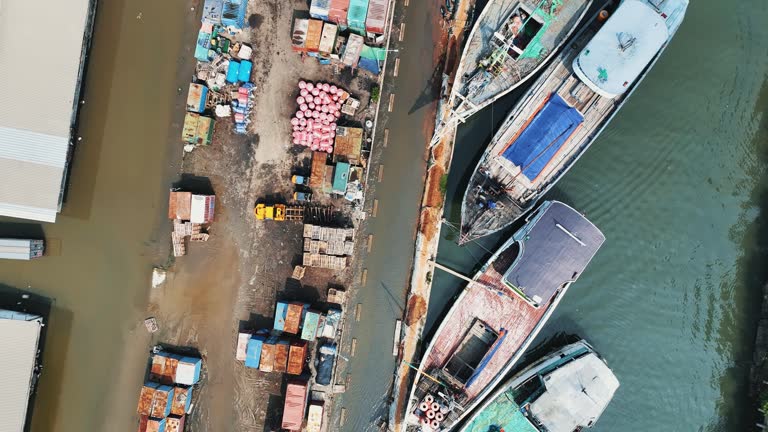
x=232, y=281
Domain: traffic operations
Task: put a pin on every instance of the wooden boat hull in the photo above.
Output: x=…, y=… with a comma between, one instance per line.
x=476, y=222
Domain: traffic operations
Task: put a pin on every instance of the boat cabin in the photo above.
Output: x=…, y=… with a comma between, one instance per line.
x=572, y=396
x=620, y=52
x=553, y=252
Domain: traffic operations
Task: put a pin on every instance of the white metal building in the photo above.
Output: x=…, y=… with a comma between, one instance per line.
x=19, y=337
x=41, y=57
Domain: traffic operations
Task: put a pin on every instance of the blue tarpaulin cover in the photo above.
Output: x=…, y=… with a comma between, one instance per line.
x=233, y=72
x=544, y=136
x=245, y=71
x=233, y=13
x=371, y=65
x=324, y=364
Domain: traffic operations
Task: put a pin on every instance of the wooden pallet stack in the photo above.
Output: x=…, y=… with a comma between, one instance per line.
x=327, y=247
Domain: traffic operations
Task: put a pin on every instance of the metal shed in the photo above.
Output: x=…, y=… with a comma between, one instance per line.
x=37, y=120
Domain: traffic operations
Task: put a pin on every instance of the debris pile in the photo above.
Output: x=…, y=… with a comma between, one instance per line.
x=242, y=104
x=314, y=124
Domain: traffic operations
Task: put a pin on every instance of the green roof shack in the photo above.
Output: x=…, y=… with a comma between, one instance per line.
x=340, y=178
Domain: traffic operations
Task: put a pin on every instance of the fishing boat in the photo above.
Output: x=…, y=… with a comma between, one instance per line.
x=559, y=117
x=565, y=391
x=511, y=41
x=498, y=314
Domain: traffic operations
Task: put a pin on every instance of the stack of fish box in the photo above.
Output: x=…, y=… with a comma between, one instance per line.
x=166, y=398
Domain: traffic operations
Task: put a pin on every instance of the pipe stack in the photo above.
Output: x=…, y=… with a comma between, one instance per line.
x=432, y=413
x=314, y=124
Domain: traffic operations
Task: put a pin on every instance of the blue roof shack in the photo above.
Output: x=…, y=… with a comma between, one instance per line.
x=281, y=311
x=253, y=352
x=340, y=178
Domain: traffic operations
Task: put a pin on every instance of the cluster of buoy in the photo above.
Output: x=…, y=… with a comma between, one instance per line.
x=314, y=124
x=432, y=413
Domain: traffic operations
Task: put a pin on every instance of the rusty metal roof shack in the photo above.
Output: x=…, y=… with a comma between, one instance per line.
x=348, y=144
x=39, y=116
x=554, y=251
x=180, y=205
x=352, y=51
x=317, y=176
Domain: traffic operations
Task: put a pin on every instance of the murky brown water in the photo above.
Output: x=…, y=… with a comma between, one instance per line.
x=113, y=227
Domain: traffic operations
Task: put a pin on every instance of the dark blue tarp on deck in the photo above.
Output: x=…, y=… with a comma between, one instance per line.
x=544, y=136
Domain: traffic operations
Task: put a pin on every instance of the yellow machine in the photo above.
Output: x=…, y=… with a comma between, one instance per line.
x=271, y=212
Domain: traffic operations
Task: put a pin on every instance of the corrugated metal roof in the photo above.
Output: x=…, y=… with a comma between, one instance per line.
x=19, y=340
x=36, y=119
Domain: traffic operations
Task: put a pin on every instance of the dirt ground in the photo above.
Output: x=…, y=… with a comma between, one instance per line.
x=233, y=280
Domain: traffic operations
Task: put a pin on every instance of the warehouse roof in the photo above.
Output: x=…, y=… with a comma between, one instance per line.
x=19, y=339
x=41, y=69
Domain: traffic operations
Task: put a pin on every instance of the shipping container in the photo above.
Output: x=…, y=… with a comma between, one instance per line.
x=188, y=371
x=267, y=363
x=233, y=13
x=155, y=425
x=281, y=356
x=212, y=11
x=175, y=423
x=352, y=50
x=296, y=394
x=314, y=31
x=182, y=400
x=147, y=398
x=337, y=12
x=293, y=317
x=253, y=352
x=21, y=249
x=202, y=208
x=309, y=328
x=358, y=10
x=377, y=16
x=328, y=38
x=315, y=416
x=179, y=205
x=281, y=310
x=197, y=97
x=163, y=400
x=299, y=35
x=242, y=346
x=319, y=9
x=296, y=355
